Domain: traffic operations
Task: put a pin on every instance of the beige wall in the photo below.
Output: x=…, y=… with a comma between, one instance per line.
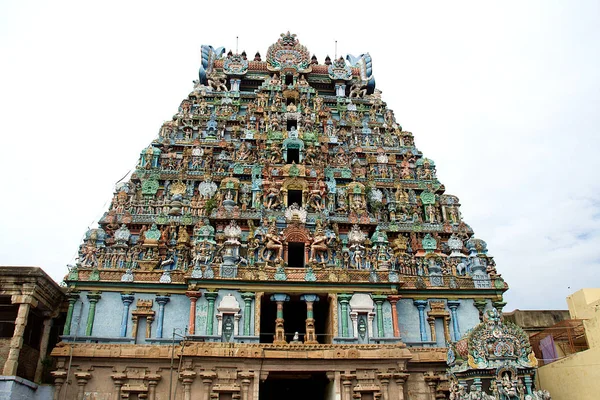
x=578, y=376
x=575, y=377
x=583, y=303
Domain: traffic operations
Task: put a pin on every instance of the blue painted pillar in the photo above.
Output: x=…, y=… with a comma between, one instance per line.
x=421, y=304
x=161, y=300
x=127, y=299
x=453, y=305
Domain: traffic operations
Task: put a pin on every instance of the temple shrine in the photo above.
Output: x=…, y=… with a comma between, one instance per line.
x=281, y=237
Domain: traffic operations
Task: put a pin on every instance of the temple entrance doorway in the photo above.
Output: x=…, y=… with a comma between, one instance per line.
x=295, y=386
x=294, y=316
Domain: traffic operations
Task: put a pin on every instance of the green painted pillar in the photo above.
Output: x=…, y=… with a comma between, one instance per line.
x=73, y=297
x=379, y=299
x=210, y=297
x=93, y=298
x=344, y=299
x=248, y=297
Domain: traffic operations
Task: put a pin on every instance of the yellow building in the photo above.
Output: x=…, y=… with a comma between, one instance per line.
x=577, y=375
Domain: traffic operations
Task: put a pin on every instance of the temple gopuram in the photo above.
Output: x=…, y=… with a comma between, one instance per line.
x=281, y=237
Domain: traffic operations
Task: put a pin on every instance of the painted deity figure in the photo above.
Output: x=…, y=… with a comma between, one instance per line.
x=318, y=246
x=274, y=244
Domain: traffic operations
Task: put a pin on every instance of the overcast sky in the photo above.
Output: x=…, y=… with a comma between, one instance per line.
x=503, y=96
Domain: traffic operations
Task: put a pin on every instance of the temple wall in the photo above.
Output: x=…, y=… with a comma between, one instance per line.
x=408, y=319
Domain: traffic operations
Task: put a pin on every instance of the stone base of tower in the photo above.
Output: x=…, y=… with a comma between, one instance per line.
x=213, y=371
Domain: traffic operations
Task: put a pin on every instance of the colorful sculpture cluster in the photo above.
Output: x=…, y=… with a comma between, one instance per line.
x=496, y=356
x=267, y=158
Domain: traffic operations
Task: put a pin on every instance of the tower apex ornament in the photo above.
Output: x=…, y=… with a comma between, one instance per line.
x=287, y=54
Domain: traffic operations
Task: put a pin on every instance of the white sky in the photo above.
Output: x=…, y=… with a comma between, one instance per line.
x=503, y=96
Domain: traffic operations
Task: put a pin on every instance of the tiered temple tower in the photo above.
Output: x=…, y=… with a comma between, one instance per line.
x=282, y=236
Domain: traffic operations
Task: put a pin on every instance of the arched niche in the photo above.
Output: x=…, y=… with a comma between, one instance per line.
x=228, y=317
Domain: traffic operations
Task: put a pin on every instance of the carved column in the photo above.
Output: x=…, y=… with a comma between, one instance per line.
x=400, y=379
x=279, y=299
x=311, y=336
x=93, y=299
x=193, y=295
x=127, y=299
x=82, y=379
x=59, y=379
x=379, y=299
x=162, y=301
x=421, y=304
x=119, y=380
x=247, y=312
x=153, y=380
x=210, y=296
x=347, y=383
x=480, y=305
x=246, y=379
x=432, y=381
x=16, y=343
x=43, y=347
x=207, y=378
x=73, y=297
x=384, y=379
x=431, y=321
x=187, y=378
x=499, y=305
x=393, y=299
x=453, y=305
x=344, y=299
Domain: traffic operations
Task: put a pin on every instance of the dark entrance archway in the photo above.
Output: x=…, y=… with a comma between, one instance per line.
x=294, y=386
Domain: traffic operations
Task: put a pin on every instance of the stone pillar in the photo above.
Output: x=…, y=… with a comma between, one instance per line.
x=82, y=380
x=311, y=336
x=119, y=379
x=211, y=297
x=207, y=378
x=421, y=304
x=247, y=312
x=153, y=380
x=246, y=379
x=43, y=348
x=453, y=305
x=60, y=377
x=93, y=299
x=528, y=383
x=400, y=379
x=393, y=299
x=347, y=383
x=344, y=299
x=187, y=378
x=73, y=297
x=499, y=305
x=431, y=381
x=379, y=299
x=279, y=299
x=480, y=305
x=127, y=299
x=162, y=301
x=193, y=295
x=16, y=343
x=384, y=379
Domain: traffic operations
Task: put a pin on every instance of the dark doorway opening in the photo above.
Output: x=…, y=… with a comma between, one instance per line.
x=289, y=79
x=294, y=196
x=296, y=255
x=293, y=156
x=294, y=386
x=292, y=123
x=294, y=316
